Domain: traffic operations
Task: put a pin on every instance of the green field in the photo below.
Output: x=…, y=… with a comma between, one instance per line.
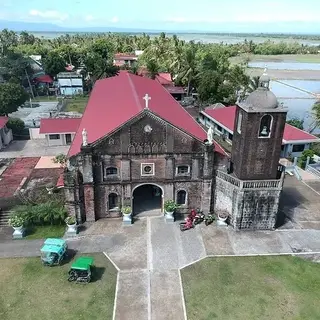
x=77, y=104
x=31, y=291
x=251, y=288
x=308, y=58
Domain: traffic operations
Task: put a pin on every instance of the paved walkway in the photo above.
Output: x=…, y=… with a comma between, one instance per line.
x=150, y=254
x=31, y=148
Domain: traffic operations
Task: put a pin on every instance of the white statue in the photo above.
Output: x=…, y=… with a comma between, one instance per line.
x=210, y=135
x=84, y=137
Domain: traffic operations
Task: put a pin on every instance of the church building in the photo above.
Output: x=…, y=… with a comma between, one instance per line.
x=137, y=146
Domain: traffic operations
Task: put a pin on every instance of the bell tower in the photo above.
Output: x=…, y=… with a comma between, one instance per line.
x=257, y=135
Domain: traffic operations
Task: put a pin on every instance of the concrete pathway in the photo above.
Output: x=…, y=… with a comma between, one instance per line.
x=149, y=255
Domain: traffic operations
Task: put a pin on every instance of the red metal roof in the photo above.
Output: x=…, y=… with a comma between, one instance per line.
x=114, y=101
x=226, y=116
x=59, y=125
x=173, y=89
x=164, y=78
x=45, y=79
x=60, y=182
x=125, y=56
x=3, y=121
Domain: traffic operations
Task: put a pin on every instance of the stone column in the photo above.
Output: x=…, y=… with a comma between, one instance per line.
x=208, y=162
x=125, y=169
x=170, y=168
x=206, y=196
x=195, y=170
x=89, y=203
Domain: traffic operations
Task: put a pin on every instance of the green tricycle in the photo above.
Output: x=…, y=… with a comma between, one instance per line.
x=53, y=251
x=81, y=270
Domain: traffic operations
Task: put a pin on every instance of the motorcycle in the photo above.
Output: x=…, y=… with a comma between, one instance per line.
x=188, y=224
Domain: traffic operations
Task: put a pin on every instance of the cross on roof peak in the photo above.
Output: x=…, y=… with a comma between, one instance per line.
x=146, y=98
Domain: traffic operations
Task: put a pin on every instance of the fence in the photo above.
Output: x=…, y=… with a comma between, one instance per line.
x=314, y=169
x=254, y=184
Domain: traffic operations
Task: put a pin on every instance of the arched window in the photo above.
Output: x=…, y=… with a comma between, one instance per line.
x=112, y=201
x=181, y=197
x=265, y=126
x=111, y=171
x=183, y=170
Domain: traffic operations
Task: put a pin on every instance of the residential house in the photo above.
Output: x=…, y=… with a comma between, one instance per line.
x=59, y=131
x=70, y=83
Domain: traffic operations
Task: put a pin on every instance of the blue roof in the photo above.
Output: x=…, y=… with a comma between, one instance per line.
x=55, y=242
x=50, y=248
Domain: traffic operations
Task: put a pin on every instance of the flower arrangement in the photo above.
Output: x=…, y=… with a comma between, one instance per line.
x=170, y=206
x=70, y=220
x=16, y=221
x=126, y=210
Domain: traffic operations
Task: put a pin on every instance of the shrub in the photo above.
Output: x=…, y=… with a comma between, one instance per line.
x=70, y=220
x=170, y=206
x=16, y=125
x=126, y=210
x=16, y=221
x=50, y=212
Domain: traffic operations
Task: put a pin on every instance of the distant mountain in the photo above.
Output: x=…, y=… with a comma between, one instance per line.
x=49, y=27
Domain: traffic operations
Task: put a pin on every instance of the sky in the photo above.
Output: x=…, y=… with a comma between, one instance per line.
x=203, y=15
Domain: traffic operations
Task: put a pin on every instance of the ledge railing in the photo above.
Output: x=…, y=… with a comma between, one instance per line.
x=252, y=184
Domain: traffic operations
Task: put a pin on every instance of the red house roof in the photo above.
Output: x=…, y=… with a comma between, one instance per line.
x=59, y=125
x=116, y=100
x=226, y=116
x=3, y=121
x=44, y=79
x=165, y=79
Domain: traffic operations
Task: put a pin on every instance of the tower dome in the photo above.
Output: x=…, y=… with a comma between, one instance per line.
x=262, y=98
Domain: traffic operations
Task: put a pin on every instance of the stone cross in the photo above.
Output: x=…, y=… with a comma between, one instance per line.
x=84, y=137
x=147, y=98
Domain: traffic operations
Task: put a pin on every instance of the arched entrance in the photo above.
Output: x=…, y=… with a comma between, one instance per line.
x=147, y=200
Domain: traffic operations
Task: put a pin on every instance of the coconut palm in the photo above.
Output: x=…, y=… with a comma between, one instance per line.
x=152, y=68
x=253, y=84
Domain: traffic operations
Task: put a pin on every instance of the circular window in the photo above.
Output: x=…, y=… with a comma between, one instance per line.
x=147, y=169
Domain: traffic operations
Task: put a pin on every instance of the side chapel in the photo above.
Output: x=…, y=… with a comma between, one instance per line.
x=137, y=146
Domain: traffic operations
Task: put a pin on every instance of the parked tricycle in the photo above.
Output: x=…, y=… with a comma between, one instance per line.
x=53, y=251
x=81, y=270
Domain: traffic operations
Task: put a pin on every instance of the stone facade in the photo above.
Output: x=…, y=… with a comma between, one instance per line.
x=113, y=165
x=251, y=205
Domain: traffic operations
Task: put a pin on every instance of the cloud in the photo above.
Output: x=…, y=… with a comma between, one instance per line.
x=89, y=17
x=114, y=20
x=49, y=14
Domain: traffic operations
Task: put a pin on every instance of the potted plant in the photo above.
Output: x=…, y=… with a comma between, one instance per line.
x=222, y=217
x=17, y=223
x=169, y=208
x=126, y=214
x=50, y=187
x=72, y=225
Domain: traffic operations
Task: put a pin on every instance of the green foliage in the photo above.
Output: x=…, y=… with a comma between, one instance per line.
x=12, y=96
x=61, y=159
x=298, y=123
x=53, y=63
x=126, y=210
x=170, y=206
x=70, y=220
x=303, y=159
x=16, y=221
x=50, y=212
x=16, y=125
x=316, y=115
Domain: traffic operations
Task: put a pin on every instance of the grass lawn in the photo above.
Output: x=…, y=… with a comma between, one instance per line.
x=246, y=288
x=45, y=99
x=308, y=58
x=42, y=232
x=77, y=104
x=35, y=292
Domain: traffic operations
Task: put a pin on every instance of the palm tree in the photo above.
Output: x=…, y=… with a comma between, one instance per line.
x=152, y=68
x=253, y=84
x=316, y=116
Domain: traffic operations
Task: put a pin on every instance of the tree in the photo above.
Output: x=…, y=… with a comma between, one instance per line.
x=303, y=159
x=8, y=39
x=253, y=84
x=298, y=123
x=12, y=96
x=16, y=125
x=152, y=68
x=316, y=116
x=53, y=63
